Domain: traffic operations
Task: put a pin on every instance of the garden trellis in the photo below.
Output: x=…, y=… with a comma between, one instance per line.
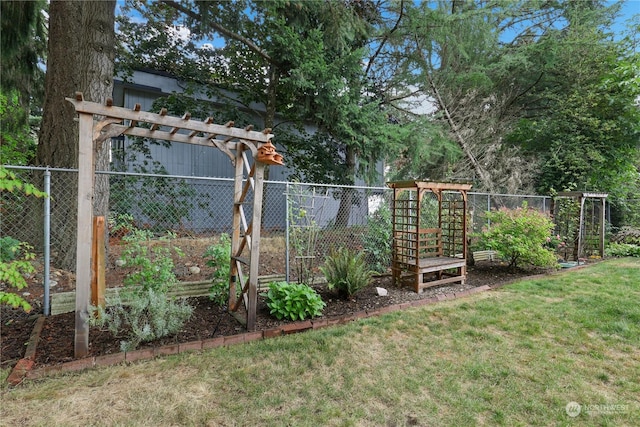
x=98, y=123
x=580, y=223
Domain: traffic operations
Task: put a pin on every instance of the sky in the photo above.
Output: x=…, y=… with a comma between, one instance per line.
x=629, y=9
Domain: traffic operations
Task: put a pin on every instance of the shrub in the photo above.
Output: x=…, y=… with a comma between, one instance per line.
x=12, y=272
x=9, y=248
x=623, y=250
x=519, y=236
x=219, y=258
x=377, y=241
x=346, y=271
x=149, y=315
x=628, y=235
x=295, y=301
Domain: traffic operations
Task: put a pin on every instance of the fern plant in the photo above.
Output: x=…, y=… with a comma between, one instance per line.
x=346, y=271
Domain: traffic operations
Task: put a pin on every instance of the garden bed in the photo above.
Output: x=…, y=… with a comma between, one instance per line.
x=56, y=342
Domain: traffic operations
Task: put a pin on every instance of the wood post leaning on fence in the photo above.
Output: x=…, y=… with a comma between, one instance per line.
x=98, y=123
x=98, y=253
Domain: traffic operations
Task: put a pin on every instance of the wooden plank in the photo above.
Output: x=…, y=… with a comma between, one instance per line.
x=98, y=283
x=427, y=185
x=484, y=255
x=84, y=234
x=205, y=141
x=256, y=225
x=168, y=121
x=235, y=233
x=423, y=286
x=64, y=302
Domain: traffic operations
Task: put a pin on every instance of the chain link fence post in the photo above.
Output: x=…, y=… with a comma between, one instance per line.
x=47, y=241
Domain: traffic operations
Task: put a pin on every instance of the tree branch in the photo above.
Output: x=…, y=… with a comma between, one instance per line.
x=484, y=177
x=222, y=30
x=384, y=39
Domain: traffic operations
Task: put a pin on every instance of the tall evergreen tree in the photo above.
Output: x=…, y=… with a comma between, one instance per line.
x=80, y=58
x=22, y=47
x=302, y=60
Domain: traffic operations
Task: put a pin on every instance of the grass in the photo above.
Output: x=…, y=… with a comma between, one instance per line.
x=516, y=356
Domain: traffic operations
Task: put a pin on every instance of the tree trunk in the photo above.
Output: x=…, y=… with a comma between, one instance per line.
x=80, y=59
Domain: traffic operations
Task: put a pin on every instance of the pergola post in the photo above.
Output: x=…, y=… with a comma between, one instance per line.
x=236, y=273
x=85, y=234
x=256, y=225
x=232, y=141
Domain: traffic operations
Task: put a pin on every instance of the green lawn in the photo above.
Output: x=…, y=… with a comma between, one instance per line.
x=516, y=356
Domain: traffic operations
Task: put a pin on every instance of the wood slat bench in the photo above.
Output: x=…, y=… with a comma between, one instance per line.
x=485, y=255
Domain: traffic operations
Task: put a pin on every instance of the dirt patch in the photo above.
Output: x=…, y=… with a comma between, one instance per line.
x=56, y=341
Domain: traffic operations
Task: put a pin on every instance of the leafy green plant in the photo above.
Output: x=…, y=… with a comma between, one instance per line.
x=346, y=271
x=15, y=256
x=218, y=257
x=120, y=224
x=151, y=260
x=149, y=315
x=622, y=250
x=13, y=271
x=295, y=301
x=9, y=248
x=377, y=240
x=519, y=236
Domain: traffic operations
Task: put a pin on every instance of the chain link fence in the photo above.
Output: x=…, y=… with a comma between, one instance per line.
x=301, y=222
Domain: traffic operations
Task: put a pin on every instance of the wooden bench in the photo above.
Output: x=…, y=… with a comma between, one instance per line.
x=485, y=255
x=430, y=267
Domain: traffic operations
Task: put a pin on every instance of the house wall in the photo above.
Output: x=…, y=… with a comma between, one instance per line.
x=179, y=158
x=188, y=160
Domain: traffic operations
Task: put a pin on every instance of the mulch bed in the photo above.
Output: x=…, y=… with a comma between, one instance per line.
x=56, y=343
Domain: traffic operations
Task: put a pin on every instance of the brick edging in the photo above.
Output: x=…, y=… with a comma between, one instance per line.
x=25, y=367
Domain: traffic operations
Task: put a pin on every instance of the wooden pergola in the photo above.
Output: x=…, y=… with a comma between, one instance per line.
x=98, y=123
x=429, y=245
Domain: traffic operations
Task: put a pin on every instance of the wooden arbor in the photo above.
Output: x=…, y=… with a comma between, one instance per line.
x=98, y=123
x=580, y=219
x=429, y=233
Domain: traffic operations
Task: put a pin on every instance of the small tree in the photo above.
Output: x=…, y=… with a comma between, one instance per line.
x=15, y=256
x=519, y=236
